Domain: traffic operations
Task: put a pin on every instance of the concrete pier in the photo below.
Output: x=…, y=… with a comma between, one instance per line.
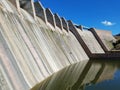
x=50, y=17
x=58, y=21
x=40, y=11
x=72, y=28
x=28, y=5
x=65, y=24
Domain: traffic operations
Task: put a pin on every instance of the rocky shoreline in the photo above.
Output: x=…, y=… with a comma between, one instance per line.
x=117, y=44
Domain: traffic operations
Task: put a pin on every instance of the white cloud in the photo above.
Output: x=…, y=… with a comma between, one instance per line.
x=107, y=23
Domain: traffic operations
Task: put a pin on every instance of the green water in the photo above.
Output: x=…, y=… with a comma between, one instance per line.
x=86, y=75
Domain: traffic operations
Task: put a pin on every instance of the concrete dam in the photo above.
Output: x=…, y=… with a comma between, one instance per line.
x=35, y=43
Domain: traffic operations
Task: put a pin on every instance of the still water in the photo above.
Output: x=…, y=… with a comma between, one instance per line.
x=86, y=75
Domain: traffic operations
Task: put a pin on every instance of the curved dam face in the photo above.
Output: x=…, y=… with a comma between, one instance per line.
x=30, y=51
x=34, y=44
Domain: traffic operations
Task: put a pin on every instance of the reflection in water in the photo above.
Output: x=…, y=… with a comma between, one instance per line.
x=80, y=76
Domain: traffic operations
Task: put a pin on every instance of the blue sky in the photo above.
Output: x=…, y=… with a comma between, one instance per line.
x=101, y=14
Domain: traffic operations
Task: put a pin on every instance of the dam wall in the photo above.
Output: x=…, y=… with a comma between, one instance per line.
x=30, y=50
x=35, y=43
